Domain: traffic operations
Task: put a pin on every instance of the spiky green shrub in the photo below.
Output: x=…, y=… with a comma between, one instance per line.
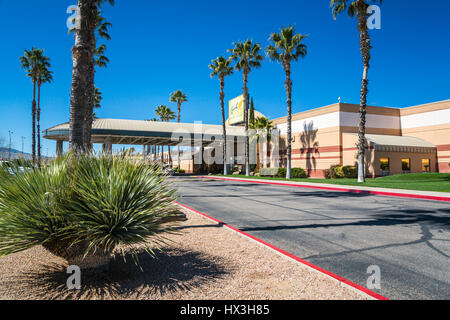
x=30, y=206
x=95, y=204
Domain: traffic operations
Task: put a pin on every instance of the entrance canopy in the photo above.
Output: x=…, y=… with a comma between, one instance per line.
x=138, y=132
x=397, y=143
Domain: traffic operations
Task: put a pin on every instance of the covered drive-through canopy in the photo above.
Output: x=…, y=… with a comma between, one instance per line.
x=139, y=132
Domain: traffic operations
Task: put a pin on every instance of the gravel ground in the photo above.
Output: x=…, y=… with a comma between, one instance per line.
x=203, y=261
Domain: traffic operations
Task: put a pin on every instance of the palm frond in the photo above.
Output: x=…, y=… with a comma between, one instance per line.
x=286, y=45
x=221, y=67
x=246, y=55
x=178, y=96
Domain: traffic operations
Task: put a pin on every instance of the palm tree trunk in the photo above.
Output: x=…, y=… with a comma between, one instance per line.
x=178, y=147
x=83, y=55
x=288, y=86
x=33, y=123
x=38, y=120
x=245, y=90
x=224, y=129
x=365, y=52
x=89, y=112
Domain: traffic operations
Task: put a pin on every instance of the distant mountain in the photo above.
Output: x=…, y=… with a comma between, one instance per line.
x=4, y=154
x=15, y=154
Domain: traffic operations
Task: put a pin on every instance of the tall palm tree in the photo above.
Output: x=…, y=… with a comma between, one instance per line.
x=30, y=62
x=100, y=61
x=221, y=68
x=247, y=56
x=83, y=54
x=179, y=97
x=44, y=76
x=165, y=114
x=287, y=47
x=359, y=8
x=263, y=127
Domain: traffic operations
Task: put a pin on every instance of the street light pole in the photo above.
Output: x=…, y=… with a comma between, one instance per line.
x=10, y=133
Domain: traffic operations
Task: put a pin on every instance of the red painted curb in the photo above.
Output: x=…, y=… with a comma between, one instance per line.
x=285, y=253
x=371, y=192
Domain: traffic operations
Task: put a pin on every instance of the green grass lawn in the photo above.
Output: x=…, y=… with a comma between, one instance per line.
x=413, y=181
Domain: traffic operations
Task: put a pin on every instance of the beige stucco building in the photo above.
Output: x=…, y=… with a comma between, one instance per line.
x=399, y=140
x=413, y=139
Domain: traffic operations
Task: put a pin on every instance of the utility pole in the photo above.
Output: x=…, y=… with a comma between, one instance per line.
x=23, y=138
x=10, y=133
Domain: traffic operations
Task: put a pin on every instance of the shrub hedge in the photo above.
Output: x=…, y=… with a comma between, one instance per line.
x=339, y=172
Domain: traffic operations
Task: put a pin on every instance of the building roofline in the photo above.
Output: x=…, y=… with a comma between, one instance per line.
x=380, y=110
x=426, y=107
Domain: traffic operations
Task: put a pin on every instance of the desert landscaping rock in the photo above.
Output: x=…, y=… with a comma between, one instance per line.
x=202, y=261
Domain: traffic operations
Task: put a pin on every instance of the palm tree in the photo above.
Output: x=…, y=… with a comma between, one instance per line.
x=359, y=8
x=44, y=76
x=179, y=97
x=100, y=61
x=287, y=47
x=247, y=56
x=98, y=97
x=30, y=63
x=263, y=127
x=165, y=114
x=221, y=68
x=83, y=53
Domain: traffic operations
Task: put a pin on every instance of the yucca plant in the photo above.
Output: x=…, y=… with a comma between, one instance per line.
x=82, y=208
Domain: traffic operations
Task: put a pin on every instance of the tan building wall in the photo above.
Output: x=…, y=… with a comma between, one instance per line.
x=373, y=158
x=430, y=122
x=318, y=136
x=314, y=150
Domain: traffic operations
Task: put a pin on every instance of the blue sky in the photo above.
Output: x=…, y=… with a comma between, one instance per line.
x=158, y=47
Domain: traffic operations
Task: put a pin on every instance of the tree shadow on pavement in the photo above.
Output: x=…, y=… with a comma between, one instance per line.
x=167, y=272
x=286, y=194
x=390, y=218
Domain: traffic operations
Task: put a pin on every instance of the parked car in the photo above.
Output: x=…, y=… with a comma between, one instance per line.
x=169, y=171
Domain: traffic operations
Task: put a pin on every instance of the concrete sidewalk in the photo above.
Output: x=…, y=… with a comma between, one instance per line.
x=427, y=195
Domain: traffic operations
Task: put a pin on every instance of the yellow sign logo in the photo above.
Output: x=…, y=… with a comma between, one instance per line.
x=236, y=110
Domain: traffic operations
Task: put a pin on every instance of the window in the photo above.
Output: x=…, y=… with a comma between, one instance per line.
x=384, y=164
x=406, y=164
x=426, y=165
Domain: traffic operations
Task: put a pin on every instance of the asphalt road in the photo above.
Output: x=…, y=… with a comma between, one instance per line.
x=345, y=233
